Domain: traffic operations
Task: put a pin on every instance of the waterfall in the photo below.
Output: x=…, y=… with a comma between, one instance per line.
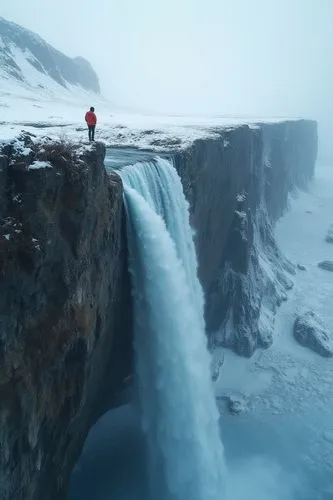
x=178, y=411
x=156, y=181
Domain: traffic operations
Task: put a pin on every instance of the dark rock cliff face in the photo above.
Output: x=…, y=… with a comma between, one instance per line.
x=65, y=315
x=237, y=187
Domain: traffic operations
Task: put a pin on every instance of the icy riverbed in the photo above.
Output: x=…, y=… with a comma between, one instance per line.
x=280, y=445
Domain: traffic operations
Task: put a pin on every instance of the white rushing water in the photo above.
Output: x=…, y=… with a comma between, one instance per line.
x=159, y=184
x=178, y=411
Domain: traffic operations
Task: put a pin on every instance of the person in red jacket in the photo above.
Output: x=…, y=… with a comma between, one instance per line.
x=91, y=121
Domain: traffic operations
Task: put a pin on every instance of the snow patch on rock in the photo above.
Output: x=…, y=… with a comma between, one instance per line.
x=236, y=404
x=38, y=164
x=310, y=332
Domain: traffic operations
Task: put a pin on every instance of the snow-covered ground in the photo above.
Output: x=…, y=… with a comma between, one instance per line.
x=46, y=93
x=41, y=106
x=38, y=95
x=280, y=447
x=37, y=82
x=65, y=119
x=58, y=112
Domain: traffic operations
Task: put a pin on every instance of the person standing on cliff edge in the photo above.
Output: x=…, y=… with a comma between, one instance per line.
x=91, y=121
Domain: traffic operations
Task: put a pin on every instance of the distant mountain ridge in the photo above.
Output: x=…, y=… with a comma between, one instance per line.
x=24, y=55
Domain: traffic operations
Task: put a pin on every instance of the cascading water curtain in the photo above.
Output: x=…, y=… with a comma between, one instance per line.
x=179, y=414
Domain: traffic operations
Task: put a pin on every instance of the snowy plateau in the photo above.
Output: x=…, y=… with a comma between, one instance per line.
x=44, y=92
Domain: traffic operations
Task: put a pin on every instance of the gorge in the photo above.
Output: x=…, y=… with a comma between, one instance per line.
x=67, y=310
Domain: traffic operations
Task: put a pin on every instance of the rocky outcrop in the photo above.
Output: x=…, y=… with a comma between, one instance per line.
x=236, y=404
x=310, y=332
x=65, y=315
x=326, y=265
x=238, y=186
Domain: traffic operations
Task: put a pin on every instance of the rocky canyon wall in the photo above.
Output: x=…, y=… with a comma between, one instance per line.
x=65, y=304
x=237, y=186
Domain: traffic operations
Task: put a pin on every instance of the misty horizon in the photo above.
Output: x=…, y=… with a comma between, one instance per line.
x=198, y=58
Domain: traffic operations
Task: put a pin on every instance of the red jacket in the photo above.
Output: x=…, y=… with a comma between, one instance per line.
x=91, y=118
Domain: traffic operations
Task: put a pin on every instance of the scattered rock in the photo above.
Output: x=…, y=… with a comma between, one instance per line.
x=169, y=141
x=310, y=332
x=329, y=236
x=236, y=404
x=327, y=265
x=301, y=267
x=151, y=132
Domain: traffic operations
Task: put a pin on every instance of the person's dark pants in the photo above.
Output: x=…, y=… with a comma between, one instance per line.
x=91, y=132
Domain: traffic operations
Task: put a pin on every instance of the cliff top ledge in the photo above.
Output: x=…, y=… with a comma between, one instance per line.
x=168, y=133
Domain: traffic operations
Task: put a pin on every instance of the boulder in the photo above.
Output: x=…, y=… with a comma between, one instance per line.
x=327, y=265
x=236, y=404
x=310, y=332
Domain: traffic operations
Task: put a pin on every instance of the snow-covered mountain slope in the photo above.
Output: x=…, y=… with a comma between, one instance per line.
x=34, y=75
x=23, y=51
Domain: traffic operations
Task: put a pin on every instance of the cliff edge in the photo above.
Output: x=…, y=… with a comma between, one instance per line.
x=65, y=315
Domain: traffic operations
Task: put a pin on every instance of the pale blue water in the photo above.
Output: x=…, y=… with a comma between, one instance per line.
x=158, y=183
x=178, y=412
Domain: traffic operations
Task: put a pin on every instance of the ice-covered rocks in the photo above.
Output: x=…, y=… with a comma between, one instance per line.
x=216, y=365
x=326, y=265
x=309, y=331
x=236, y=404
x=329, y=236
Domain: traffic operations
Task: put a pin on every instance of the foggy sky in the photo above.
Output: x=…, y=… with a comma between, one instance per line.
x=259, y=57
